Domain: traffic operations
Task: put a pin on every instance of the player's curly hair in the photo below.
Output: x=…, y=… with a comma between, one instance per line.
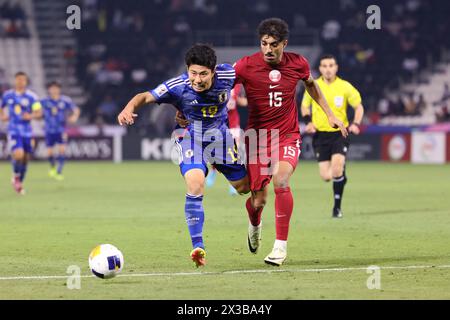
x=274, y=27
x=201, y=54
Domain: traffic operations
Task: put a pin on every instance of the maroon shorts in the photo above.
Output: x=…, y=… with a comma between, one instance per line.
x=263, y=157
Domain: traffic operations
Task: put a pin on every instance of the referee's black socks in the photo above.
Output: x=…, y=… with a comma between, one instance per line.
x=338, y=190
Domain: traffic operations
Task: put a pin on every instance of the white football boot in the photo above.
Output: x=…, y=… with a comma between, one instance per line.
x=254, y=237
x=278, y=254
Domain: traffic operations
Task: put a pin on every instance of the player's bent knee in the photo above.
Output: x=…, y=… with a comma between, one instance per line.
x=337, y=172
x=242, y=188
x=281, y=181
x=18, y=155
x=195, y=190
x=259, y=203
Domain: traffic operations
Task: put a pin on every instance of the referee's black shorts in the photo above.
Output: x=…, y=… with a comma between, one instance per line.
x=326, y=144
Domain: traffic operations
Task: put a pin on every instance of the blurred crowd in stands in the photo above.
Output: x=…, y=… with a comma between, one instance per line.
x=12, y=20
x=125, y=47
x=442, y=106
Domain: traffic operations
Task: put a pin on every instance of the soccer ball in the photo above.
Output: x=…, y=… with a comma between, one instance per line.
x=105, y=261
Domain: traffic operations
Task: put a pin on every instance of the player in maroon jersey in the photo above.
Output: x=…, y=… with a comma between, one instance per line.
x=270, y=79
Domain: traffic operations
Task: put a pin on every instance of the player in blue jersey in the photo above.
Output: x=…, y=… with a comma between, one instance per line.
x=201, y=94
x=57, y=108
x=19, y=106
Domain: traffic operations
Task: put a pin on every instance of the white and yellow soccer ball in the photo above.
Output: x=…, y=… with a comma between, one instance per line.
x=105, y=261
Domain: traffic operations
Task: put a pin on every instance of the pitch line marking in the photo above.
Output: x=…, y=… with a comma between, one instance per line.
x=177, y=274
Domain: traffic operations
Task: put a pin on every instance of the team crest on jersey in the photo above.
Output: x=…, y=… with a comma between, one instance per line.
x=24, y=102
x=61, y=105
x=10, y=101
x=275, y=75
x=223, y=96
x=160, y=90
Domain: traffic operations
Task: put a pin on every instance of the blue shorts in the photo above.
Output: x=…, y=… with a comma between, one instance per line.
x=222, y=154
x=20, y=142
x=55, y=138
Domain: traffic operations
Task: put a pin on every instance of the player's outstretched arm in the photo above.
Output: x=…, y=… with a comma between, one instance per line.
x=4, y=114
x=314, y=91
x=126, y=117
x=181, y=119
x=75, y=115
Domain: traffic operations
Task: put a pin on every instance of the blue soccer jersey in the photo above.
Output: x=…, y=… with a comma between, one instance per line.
x=55, y=113
x=206, y=110
x=17, y=104
x=209, y=107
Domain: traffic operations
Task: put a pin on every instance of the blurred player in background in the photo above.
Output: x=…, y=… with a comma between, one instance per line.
x=19, y=106
x=270, y=79
x=329, y=145
x=201, y=94
x=237, y=98
x=56, y=108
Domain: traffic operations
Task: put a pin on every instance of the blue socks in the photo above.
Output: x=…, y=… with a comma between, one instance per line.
x=23, y=172
x=61, y=160
x=195, y=216
x=19, y=169
x=51, y=160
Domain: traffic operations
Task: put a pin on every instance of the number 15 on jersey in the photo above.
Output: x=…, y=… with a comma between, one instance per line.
x=275, y=99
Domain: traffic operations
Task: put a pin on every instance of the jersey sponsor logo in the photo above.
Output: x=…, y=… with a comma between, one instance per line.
x=160, y=90
x=275, y=75
x=273, y=86
x=338, y=101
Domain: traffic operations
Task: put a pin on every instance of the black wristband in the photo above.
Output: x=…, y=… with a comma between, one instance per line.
x=307, y=119
x=356, y=124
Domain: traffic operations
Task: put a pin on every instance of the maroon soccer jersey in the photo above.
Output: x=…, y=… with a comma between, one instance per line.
x=233, y=115
x=271, y=90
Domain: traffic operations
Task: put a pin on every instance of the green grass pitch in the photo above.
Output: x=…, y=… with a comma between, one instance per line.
x=395, y=215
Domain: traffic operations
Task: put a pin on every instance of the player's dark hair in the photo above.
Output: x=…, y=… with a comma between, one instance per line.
x=20, y=73
x=274, y=27
x=53, y=84
x=201, y=54
x=327, y=56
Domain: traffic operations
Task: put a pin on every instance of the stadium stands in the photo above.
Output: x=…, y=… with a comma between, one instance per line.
x=127, y=47
x=21, y=51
